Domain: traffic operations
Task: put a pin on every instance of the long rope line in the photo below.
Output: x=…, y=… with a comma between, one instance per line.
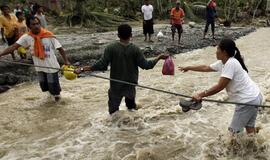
x=141, y=86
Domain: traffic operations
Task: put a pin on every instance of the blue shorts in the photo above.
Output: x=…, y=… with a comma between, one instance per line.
x=49, y=82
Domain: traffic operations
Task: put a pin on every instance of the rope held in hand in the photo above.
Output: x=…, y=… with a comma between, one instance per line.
x=141, y=86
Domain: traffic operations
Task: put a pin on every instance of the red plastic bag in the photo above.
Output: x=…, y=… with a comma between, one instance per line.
x=168, y=67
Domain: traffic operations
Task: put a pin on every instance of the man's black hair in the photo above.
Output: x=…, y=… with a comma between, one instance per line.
x=3, y=6
x=19, y=13
x=29, y=19
x=36, y=7
x=124, y=31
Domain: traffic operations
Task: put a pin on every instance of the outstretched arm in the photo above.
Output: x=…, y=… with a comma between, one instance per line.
x=100, y=65
x=2, y=34
x=63, y=54
x=222, y=83
x=199, y=68
x=144, y=63
x=10, y=49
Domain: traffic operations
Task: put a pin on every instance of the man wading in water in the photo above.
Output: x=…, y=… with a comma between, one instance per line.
x=42, y=45
x=124, y=58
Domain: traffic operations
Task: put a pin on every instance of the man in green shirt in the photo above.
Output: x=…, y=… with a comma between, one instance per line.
x=124, y=58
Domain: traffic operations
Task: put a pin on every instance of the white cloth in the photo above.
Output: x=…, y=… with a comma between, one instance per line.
x=241, y=88
x=147, y=11
x=16, y=10
x=50, y=45
x=160, y=34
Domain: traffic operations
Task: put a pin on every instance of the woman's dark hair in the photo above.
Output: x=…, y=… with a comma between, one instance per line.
x=229, y=46
x=124, y=31
x=29, y=19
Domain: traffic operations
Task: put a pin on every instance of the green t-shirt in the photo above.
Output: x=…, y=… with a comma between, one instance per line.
x=124, y=61
x=26, y=12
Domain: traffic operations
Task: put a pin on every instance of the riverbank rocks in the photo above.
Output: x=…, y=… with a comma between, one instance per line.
x=8, y=79
x=88, y=48
x=4, y=88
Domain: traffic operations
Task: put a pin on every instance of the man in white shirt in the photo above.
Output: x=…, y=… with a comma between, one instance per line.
x=42, y=45
x=148, y=24
x=41, y=16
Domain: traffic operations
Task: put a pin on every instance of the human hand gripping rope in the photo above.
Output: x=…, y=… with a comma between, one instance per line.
x=70, y=73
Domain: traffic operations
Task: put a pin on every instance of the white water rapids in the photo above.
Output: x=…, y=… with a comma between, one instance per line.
x=33, y=127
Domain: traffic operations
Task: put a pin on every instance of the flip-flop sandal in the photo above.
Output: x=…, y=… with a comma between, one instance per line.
x=190, y=104
x=185, y=109
x=196, y=105
x=185, y=105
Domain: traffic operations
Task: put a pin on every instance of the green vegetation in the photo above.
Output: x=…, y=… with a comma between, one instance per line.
x=108, y=13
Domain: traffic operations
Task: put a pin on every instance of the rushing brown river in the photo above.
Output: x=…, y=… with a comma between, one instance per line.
x=33, y=127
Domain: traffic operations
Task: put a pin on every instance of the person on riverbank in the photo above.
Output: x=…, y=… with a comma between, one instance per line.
x=21, y=30
x=8, y=27
x=211, y=14
x=124, y=58
x=26, y=9
x=148, y=23
x=41, y=16
x=17, y=8
x=42, y=45
x=177, y=19
x=239, y=86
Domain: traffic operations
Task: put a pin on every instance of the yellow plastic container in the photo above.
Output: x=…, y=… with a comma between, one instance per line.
x=68, y=72
x=21, y=51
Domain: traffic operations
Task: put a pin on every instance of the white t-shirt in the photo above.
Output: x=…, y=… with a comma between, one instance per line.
x=50, y=45
x=147, y=12
x=241, y=88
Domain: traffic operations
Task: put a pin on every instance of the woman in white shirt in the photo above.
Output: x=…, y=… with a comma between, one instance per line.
x=239, y=86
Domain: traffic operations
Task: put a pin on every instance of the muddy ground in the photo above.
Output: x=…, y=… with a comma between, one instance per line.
x=84, y=48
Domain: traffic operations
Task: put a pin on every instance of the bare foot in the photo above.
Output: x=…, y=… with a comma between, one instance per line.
x=57, y=98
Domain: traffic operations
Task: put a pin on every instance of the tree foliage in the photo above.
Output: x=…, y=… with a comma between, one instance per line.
x=110, y=12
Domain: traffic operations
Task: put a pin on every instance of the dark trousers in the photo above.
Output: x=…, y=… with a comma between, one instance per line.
x=177, y=27
x=49, y=82
x=148, y=27
x=115, y=99
x=212, y=23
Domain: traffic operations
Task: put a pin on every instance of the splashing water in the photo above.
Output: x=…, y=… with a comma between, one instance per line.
x=79, y=126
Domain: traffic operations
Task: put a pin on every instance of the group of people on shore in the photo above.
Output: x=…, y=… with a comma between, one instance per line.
x=177, y=16
x=125, y=59
x=13, y=25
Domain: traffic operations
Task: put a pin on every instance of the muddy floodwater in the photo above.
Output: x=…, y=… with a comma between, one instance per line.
x=33, y=127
